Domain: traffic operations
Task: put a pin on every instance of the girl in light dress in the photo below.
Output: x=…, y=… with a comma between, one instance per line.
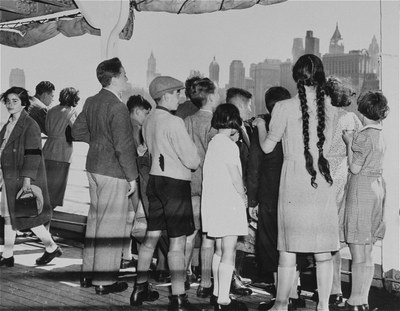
x=307, y=209
x=363, y=221
x=224, y=202
x=341, y=96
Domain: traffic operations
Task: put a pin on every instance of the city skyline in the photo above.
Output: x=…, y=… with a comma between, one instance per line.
x=182, y=43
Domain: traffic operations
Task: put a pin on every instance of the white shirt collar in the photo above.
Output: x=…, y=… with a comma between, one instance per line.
x=377, y=126
x=205, y=110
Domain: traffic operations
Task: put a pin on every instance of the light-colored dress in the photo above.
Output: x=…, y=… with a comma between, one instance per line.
x=307, y=216
x=337, y=154
x=223, y=211
x=364, y=206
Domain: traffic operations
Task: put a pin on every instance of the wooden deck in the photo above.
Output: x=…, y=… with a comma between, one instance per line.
x=56, y=286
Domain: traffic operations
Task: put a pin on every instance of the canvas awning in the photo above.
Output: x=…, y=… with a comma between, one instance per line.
x=24, y=23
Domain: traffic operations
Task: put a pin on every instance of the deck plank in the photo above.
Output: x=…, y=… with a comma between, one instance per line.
x=56, y=286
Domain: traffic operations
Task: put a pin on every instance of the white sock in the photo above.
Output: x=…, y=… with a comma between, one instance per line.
x=215, y=265
x=45, y=236
x=225, y=277
x=9, y=241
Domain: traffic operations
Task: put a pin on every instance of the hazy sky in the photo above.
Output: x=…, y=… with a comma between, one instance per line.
x=184, y=42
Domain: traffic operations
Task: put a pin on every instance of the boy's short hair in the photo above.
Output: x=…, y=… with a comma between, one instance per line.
x=200, y=89
x=235, y=91
x=44, y=87
x=226, y=116
x=107, y=70
x=275, y=94
x=373, y=105
x=188, y=86
x=138, y=101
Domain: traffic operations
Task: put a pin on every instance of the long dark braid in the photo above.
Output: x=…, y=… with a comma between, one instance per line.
x=309, y=71
x=306, y=134
x=323, y=164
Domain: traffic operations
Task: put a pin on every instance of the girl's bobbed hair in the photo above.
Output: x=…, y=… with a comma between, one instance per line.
x=226, y=116
x=373, y=105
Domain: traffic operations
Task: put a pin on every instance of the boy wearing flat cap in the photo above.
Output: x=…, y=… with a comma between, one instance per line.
x=173, y=155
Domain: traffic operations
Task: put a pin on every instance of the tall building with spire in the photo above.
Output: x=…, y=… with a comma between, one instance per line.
x=373, y=52
x=151, y=68
x=17, y=77
x=312, y=44
x=297, y=49
x=237, y=74
x=336, y=44
x=214, y=71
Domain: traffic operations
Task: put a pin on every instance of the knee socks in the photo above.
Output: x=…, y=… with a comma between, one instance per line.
x=9, y=241
x=224, y=279
x=144, y=261
x=368, y=273
x=207, y=255
x=215, y=265
x=44, y=235
x=357, y=279
x=324, y=282
x=176, y=263
x=127, y=241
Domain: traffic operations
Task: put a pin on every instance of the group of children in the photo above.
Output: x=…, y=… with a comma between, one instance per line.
x=307, y=215
x=318, y=175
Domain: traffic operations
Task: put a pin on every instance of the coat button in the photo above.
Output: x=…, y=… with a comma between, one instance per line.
x=14, y=150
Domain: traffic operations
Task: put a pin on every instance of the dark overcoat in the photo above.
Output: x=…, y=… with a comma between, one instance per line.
x=22, y=157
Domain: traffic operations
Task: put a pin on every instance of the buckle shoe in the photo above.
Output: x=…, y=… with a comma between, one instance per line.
x=48, y=257
x=143, y=292
x=116, y=287
x=8, y=262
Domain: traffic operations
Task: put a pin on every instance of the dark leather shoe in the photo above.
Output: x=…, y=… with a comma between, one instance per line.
x=214, y=301
x=237, y=287
x=295, y=304
x=86, y=282
x=180, y=303
x=233, y=306
x=161, y=276
x=143, y=292
x=117, y=287
x=8, y=262
x=335, y=299
x=47, y=257
x=204, y=292
x=349, y=307
x=264, y=306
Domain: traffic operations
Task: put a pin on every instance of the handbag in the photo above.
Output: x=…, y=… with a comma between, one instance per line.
x=26, y=205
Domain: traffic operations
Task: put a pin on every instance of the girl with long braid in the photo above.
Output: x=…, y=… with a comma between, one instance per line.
x=307, y=209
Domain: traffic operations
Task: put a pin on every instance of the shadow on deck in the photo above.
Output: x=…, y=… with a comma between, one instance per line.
x=56, y=286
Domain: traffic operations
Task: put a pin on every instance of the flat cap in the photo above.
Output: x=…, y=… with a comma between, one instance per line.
x=163, y=84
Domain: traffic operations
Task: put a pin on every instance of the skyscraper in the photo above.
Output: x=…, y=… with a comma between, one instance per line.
x=373, y=52
x=151, y=68
x=354, y=66
x=214, y=71
x=287, y=77
x=236, y=74
x=312, y=44
x=336, y=44
x=267, y=74
x=17, y=77
x=297, y=49
x=252, y=71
